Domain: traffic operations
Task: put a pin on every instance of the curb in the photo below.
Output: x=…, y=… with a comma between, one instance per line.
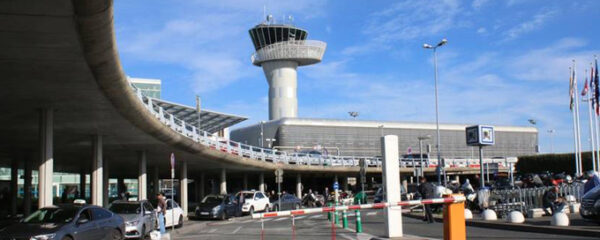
x=498, y=224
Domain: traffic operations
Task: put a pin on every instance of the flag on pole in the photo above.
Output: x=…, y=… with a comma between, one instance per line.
x=571, y=90
x=585, y=87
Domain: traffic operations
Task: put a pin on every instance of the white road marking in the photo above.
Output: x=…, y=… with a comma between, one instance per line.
x=249, y=220
x=236, y=230
x=212, y=230
x=266, y=219
x=301, y=217
x=279, y=219
x=371, y=213
x=315, y=216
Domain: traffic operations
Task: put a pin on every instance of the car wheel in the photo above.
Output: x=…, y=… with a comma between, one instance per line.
x=251, y=211
x=116, y=234
x=180, y=223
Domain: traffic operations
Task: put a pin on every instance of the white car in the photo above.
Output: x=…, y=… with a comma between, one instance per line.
x=173, y=215
x=254, y=201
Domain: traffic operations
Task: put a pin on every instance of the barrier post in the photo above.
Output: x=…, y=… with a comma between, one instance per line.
x=336, y=215
x=293, y=228
x=344, y=219
x=454, y=220
x=262, y=229
x=358, y=220
x=329, y=213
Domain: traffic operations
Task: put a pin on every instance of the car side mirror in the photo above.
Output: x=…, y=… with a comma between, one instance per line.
x=82, y=221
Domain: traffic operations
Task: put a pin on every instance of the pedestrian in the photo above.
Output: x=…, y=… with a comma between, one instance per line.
x=161, y=209
x=552, y=201
x=326, y=194
x=426, y=190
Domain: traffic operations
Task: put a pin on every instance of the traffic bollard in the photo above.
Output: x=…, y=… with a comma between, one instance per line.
x=345, y=219
x=454, y=220
x=329, y=213
x=336, y=216
x=358, y=222
x=293, y=228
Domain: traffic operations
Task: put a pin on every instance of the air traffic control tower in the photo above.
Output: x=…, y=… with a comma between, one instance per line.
x=280, y=49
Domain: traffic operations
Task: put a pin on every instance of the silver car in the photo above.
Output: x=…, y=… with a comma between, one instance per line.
x=139, y=216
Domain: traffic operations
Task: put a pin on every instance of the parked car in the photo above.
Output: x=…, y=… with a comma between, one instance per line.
x=173, y=214
x=379, y=195
x=288, y=202
x=139, y=217
x=67, y=222
x=590, y=205
x=217, y=207
x=254, y=201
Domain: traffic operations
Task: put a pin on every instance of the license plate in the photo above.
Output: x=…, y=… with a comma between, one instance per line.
x=204, y=213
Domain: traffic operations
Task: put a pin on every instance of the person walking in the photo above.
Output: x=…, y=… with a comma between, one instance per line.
x=161, y=209
x=426, y=190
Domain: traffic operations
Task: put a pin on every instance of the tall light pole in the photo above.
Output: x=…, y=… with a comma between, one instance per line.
x=551, y=132
x=262, y=134
x=533, y=123
x=437, y=122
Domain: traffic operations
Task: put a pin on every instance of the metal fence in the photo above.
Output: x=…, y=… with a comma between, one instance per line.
x=523, y=199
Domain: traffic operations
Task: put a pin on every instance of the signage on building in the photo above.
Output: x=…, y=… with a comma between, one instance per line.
x=480, y=135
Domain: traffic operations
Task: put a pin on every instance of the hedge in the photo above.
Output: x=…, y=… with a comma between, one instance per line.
x=555, y=163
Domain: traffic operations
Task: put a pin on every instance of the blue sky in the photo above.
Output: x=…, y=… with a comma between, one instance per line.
x=505, y=62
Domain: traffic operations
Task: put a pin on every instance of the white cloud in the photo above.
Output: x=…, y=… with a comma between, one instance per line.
x=477, y=4
x=481, y=30
x=532, y=24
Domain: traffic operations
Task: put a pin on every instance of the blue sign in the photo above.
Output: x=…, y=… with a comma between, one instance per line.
x=336, y=186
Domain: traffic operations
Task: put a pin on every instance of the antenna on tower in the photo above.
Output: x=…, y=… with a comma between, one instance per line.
x=291, y=19
x=264, y=11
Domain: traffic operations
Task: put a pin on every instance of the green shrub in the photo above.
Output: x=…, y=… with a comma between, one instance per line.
x=556, y=163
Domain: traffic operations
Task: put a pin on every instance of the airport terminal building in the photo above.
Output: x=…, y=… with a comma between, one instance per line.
x=362, y=138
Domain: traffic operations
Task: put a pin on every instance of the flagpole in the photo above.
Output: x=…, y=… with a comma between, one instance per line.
x=571, y=96
x=592, y=140
x=579, y=162
x=594, y=107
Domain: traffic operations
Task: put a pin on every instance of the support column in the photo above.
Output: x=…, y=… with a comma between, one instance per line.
x=299, y=186
x=223, y=185
x=155, y=181
x=261, y=182
x=97, y=172
x=183, y=185
x=14, y=186
x=46, y=167
x=27, y=187
x=391, y=183
x=105, y=185
x=121, y=188
x=344, y=184
x=245, y=182
x=82, y=180
x=142, y=179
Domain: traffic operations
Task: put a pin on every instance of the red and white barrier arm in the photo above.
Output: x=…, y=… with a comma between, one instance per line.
x=454, y=199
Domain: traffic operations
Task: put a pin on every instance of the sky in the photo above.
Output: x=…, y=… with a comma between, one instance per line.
x=505, y=61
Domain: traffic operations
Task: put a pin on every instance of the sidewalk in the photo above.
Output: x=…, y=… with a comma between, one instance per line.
x=577, y=226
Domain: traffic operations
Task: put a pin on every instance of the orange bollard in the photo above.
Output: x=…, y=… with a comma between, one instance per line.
x=454, y=220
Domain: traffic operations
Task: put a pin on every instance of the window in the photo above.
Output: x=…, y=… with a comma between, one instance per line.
x=85, y=214
x=259, y=195
x=148, y=206
x=169, y=206
x=100, y=213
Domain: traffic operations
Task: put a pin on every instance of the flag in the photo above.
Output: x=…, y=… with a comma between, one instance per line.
x=585, y=88
x=571, y=90
x=597, y=84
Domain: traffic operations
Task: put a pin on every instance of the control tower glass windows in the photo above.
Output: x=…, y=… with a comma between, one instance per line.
x=263, y=35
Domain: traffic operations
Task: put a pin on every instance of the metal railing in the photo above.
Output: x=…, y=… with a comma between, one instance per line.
x=267, y=154
x=302, y=49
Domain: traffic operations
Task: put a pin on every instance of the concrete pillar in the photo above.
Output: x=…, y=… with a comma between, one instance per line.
x=105, y=186
x=46, y=167
x=27, y=187
x=82, y=180
x=391, y=182
x=97, y=183
x=245, y=182
x=299, y=185
x=155, y=181
x=142, y=176
x=14, y=186
x=183, y=189
x=223, y=185
x=261, y=182
x=344, y=184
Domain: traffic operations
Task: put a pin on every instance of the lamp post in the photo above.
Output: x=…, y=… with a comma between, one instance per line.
x=262, y=134
x=551, y=132
x=421, y=139
x=437, y=122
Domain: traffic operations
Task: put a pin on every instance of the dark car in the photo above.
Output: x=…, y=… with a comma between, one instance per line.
x=67, y=222
x=288, y=202
x=590, y=205
x=139, y=217
x=379, y=195
x=217, y=207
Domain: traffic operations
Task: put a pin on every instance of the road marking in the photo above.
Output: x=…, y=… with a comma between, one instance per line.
x=315, y=216
x=301, y=217
x=346, y=236
x=267, y=219
x=236, y=230
x=247, y=221
x=371, y=213
x=212, y=230
x=279, y=219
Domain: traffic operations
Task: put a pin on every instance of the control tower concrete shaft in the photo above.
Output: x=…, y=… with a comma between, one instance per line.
x=280, y=49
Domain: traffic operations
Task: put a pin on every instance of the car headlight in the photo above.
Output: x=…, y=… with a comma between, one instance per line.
x=597, y=204
x=132, y=223
x=43, y=237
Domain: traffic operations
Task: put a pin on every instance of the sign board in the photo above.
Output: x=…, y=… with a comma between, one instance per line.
x=336, y=186
x=278, y=175
x=480, y=135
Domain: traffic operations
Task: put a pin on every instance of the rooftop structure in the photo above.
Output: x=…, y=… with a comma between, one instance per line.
x=280, y=49
x=150, y=87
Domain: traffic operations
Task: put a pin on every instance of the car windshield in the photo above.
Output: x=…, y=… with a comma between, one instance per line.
x=125, y=208
x=212, y=199
x=52, y=215
x=248, y=195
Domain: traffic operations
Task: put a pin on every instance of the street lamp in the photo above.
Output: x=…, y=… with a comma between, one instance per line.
x=437, y=122
x=551, y=132
x=262, y=134
x=421, y=139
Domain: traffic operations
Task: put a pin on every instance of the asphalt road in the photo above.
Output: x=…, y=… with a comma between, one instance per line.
x=317, y=227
